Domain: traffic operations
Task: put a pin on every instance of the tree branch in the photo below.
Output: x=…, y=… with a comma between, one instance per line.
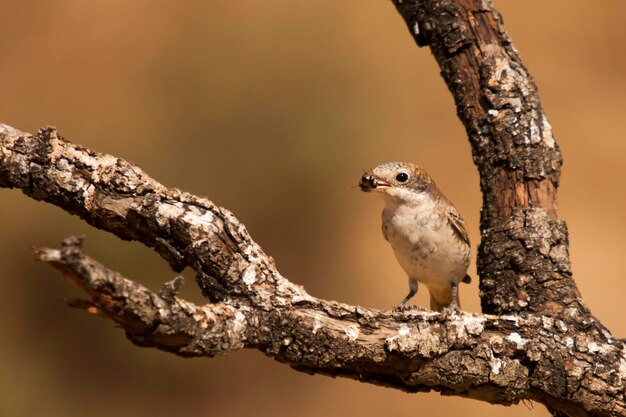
x=151, y=320
x=523, y=258
x=496, y=359
x=544, y=345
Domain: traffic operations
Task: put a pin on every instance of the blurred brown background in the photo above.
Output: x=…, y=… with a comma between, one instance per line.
x=272, y=109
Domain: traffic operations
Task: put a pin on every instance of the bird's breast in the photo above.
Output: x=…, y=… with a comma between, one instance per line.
x=425, y=244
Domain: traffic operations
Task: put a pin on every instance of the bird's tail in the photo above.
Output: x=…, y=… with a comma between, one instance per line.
x=441, y=304
x=434, y=305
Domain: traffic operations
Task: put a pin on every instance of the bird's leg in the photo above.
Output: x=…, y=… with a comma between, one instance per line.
x=454, y=304
x=412, y=292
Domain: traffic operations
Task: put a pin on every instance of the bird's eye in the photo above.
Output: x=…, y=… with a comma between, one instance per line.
x=402, y=177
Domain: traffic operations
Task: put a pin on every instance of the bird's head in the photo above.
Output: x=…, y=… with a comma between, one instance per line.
x=399, y=181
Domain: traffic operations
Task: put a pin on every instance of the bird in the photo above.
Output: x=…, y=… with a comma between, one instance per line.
x=426, y=232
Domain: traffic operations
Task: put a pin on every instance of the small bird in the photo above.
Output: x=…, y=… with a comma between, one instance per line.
x=426, y=233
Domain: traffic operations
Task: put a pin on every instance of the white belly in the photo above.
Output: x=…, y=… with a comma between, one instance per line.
x=425, y=244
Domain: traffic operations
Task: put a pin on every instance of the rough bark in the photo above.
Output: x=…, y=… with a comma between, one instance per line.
x=542, y=345
x=523, y=258
x=570, y=362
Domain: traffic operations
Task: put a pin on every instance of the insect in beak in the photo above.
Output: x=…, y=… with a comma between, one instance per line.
x=371, y=183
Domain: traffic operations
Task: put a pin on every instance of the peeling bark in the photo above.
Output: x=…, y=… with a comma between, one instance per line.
x=536, y=341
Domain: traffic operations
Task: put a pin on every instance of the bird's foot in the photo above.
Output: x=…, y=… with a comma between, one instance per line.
x=399, y=308
x=452, y=310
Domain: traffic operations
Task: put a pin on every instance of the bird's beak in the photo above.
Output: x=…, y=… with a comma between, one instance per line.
x=371, y=183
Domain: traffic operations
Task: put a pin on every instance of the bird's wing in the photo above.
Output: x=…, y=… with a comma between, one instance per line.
x=458, y=225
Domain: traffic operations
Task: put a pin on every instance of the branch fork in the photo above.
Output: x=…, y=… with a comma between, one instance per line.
x=536, y=341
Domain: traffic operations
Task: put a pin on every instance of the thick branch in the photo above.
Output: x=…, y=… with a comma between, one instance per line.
x=571, y=362
x=496, y=359
x=523, y=259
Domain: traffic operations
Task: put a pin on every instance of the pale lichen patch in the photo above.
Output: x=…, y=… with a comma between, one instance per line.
x=473, y=325
x=603, y=348
x=352, y=332
x=512, y=319
x=236, y=332
x=547, y=133
x=547, y=322
x=249, y=275
x=168, y=211
x=404, y=330
x=534, y=135
x=317, y=324
x=199, y=219
x=517, y=339
x=593, y=347
x=496, y=365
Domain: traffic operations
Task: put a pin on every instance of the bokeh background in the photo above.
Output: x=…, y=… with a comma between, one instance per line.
x=273, y=109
